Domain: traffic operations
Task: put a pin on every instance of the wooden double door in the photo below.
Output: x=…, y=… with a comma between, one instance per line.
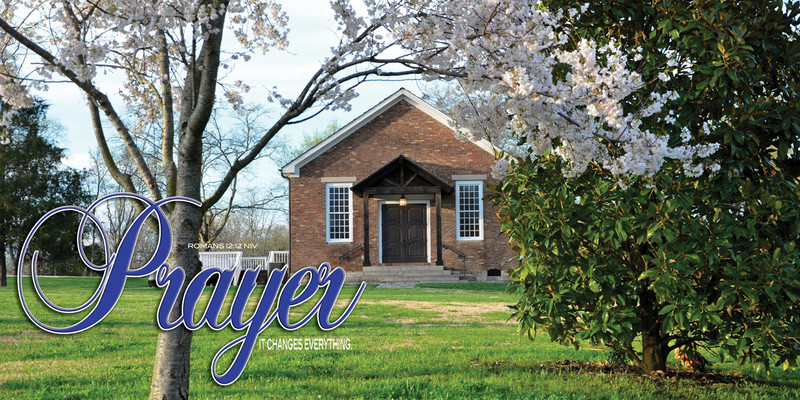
x=404, y=233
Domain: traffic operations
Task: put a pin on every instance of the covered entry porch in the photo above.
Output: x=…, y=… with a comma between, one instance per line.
x=409, y=208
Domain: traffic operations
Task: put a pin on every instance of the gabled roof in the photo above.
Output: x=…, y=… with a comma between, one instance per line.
x=292, y=169
x=391, y=167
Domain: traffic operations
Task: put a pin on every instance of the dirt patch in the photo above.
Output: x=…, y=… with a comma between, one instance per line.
x=25, y=337
x=435, y=325
x=704, y=379
x=12, y=370
x=455, y=312
x=342, y=304
x=400, y=321
x=407, y=344
x=707, y=378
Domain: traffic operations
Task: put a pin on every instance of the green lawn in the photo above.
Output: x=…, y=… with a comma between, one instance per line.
x=432, y=342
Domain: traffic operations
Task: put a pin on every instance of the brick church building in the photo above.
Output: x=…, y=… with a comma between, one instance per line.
x=394, y=196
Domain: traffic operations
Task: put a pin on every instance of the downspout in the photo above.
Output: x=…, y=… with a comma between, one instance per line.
x=289, y=182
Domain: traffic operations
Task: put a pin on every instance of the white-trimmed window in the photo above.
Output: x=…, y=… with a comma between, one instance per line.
x=469, y=210
x=338, y=212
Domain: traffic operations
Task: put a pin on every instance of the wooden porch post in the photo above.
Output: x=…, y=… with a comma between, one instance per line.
x=366, y=230
x=439, y=260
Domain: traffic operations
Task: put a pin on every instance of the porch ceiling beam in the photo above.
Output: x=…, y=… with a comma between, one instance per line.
x=410, y=179
x=398, y=167
x=403, y=190
x=390, y=182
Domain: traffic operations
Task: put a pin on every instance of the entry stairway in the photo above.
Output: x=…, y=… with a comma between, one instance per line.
x=409, y=274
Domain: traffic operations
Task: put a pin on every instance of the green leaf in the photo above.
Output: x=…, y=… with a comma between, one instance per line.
x=751, y=332
x=620, y=231
x=669, y=234
x=627, y=325
x=652, y=229
x=693, y=258
x=648, y=274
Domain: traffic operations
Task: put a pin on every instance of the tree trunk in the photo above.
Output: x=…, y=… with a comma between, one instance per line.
x=171, y=369
x=654, y=353
x=654, y=343
x=3, y=282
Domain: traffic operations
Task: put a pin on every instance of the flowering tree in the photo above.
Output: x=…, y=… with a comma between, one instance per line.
x=671, y=258
x=171, y=54
x=530, y=76
x=526, y=71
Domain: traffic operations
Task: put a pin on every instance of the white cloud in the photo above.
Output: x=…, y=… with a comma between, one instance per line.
x=77, y=161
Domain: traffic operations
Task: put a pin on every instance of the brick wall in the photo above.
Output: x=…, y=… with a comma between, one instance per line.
x=402, y=129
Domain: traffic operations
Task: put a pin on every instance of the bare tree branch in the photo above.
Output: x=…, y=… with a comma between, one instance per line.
x=168, y=118
x=101, y=100
x=121, y=178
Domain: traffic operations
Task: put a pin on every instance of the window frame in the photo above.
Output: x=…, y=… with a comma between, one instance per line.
x=328, y=187
x=459, y=235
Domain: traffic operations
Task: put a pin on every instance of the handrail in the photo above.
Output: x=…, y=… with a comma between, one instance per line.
x=459, y=253
x=281, y=256
x=349, y=253
x=228, y=260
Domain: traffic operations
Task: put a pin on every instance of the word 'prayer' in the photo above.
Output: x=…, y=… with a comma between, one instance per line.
x=275, y=302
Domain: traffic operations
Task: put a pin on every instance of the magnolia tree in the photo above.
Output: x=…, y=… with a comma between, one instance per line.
x=700, y=261
x=526, y=71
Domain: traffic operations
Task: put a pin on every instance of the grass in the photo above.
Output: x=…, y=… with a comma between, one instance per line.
x=438, y=341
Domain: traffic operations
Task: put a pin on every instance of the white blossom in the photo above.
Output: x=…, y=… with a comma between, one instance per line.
x=500, y=168
x=504, y=53
x=87, y=39
x=686, y=135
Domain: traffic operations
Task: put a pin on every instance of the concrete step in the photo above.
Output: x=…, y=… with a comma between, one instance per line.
x=419, y=274
x=409, y=282
x=405, y=268
x=382, y=269
x=417, y=277
x=408, y=273
x=413, y=274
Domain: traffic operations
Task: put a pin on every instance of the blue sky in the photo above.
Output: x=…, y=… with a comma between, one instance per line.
x=311, y=36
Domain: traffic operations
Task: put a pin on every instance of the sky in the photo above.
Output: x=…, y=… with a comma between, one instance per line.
x=312, y=33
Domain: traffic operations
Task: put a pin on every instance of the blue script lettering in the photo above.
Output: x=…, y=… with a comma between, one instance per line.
x=117, y=268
